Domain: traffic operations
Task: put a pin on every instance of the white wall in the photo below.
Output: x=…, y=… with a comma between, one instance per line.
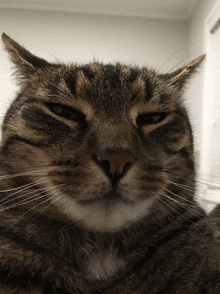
x=208, y=196
x=197, y=47
x=81, y=38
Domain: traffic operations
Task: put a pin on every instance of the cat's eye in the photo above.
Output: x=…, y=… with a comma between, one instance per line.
x=150, y=118
x=66, y=111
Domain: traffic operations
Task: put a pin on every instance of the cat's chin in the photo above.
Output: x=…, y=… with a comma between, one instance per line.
x=103, y=214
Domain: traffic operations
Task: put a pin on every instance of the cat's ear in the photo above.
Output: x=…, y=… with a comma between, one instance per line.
x=25, y=62
x=180, y=76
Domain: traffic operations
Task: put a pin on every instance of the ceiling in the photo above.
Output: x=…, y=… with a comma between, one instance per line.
x=163, y=9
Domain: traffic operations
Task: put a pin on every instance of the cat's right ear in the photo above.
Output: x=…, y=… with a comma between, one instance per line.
x=25, y=62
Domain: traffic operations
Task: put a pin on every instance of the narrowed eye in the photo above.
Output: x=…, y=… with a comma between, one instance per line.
x=150, y=118
x=66, y=111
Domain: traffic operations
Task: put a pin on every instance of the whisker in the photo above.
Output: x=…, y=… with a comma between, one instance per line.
x=23, y=195
x=28, y=200
x=187, y=207
x=165, y=62
x=185, y=187
x=187, y=200
x=25, y=201
x=20, y=174
x=29, y=166
x=164, y=202
x=180, y=203
x=45, y=205
x=204, y=182
x=166, y=211
x=23, y=215
x=23, y=189
x=33, y=208
x=18, y=188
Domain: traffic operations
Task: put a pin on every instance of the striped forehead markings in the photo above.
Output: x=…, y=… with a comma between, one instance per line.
x=143, y=83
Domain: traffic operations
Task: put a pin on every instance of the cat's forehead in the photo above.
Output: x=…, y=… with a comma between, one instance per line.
x=114, y=79
x=107, y=88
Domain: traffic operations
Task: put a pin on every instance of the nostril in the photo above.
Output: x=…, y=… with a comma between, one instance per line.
x=127, y=166
x=115, y=164
x=105, y=165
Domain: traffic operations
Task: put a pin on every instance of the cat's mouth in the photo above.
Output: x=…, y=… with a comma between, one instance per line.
x=108, y=210
x=109, y=198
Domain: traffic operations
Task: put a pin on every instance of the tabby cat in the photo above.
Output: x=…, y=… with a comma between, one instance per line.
x=97, y=183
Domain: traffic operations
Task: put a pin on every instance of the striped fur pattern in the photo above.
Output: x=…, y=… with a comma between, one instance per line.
x=97, y=183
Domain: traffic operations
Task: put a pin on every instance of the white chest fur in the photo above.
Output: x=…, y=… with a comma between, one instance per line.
x=103, y=265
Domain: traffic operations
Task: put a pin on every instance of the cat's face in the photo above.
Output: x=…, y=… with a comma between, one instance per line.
x=104, y=141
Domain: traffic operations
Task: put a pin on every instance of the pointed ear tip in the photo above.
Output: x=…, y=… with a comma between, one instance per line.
x=197, y=61
x=200, y=58
x=5, y=37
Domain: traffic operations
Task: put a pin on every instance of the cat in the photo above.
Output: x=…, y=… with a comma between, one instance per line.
x=97, y=183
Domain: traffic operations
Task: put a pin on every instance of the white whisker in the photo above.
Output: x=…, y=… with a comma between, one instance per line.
x=23, y=195
x=187, y=200
x=164, y=209
x=185, y=187
x=180, y=203
x=30, y=199
x=45, y=205
x=21, y=174
x=18, y=188
x=23, y=189
x=164, y=202
x=39, y=204
x=25, y=201
x=186, y=206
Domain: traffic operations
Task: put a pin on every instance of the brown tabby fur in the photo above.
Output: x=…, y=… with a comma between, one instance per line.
x=68, y=224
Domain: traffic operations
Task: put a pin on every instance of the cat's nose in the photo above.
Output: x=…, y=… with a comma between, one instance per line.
x=116, y=164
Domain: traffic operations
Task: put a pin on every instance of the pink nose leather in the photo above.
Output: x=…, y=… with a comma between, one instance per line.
x=117, y=161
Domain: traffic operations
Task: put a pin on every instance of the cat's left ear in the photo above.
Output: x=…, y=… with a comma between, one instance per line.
x=25, y=62
x=180, y=76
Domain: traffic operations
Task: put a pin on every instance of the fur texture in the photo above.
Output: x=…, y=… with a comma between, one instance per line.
x=97, y=183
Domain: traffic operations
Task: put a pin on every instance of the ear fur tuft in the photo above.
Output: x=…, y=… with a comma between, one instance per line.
x=25, y=62
x=180, y=76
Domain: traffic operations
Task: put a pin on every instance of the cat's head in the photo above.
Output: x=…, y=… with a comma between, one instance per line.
x=103, y=142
